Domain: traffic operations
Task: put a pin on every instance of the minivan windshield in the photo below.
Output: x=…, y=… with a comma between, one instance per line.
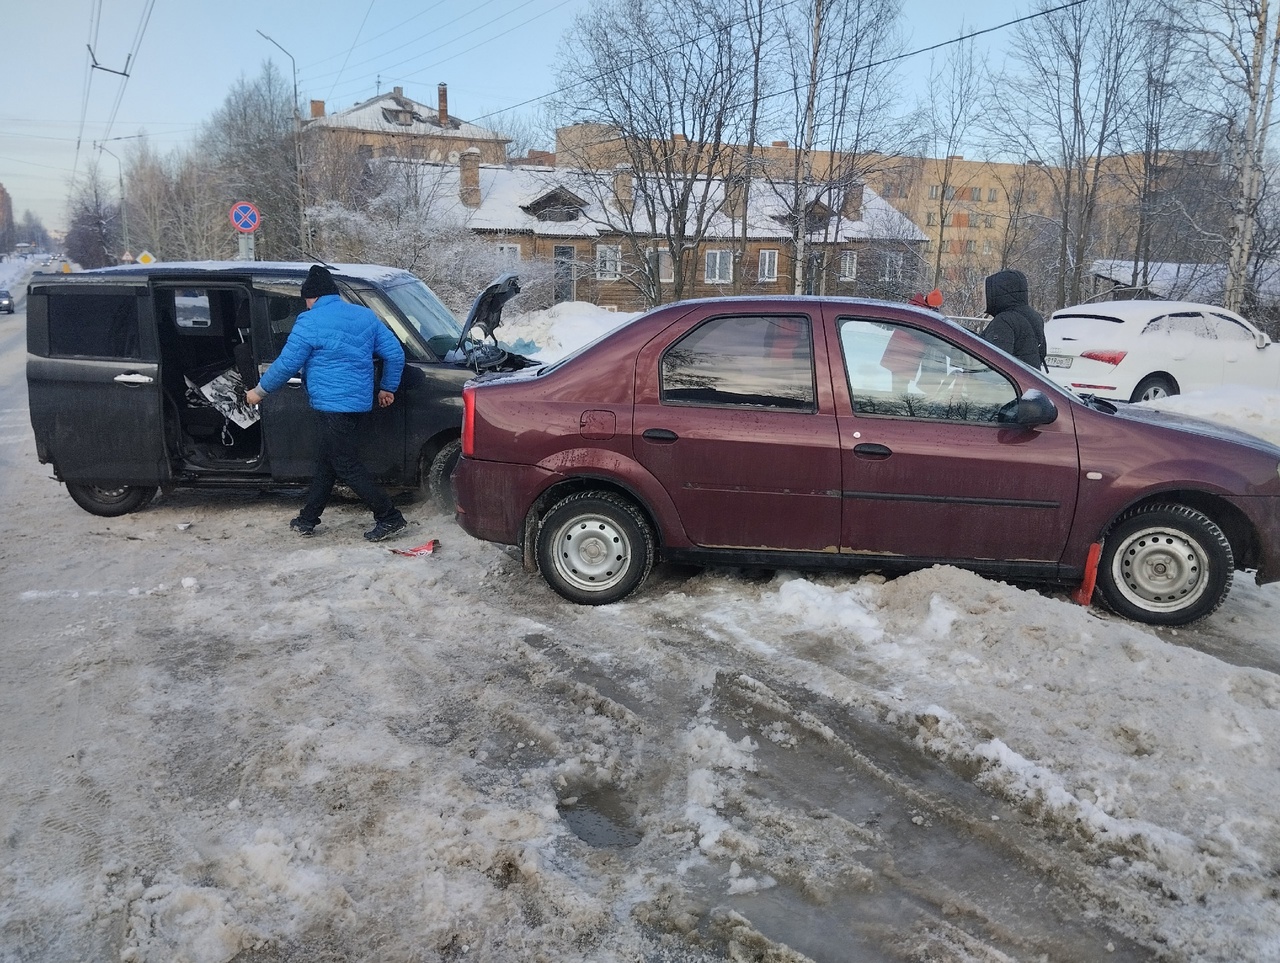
x=423, y=309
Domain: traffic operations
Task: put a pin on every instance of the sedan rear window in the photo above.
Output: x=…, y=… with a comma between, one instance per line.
x=758, y=361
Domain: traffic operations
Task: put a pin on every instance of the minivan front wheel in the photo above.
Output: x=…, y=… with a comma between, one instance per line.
x=438, y=477
x=1165, y=565
x=110, y=501
x=594, y=547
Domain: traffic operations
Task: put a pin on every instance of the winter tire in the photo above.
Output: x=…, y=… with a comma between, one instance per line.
x=1152, y=387
x=439, y=483
x=1165, y=565
x=594, y=548
x=110, y=502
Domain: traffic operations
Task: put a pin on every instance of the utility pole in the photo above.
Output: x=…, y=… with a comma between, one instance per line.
x=304, y=235
x=124, y=207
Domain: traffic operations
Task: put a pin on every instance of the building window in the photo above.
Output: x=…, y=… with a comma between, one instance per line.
x=930, y=219
x=608, y=262
x=892, y=267
x=970, y=246
x=508, y=253
x=661, y=265
x=991, y=195
x=848, y=265
x=988, y=221
x=768, y=270
x=933, y=192
x=719, y=268
x=975, y=194
x=986, y=247
x=951, y=193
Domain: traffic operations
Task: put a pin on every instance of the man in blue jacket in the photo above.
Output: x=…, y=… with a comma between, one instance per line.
x=334, y=344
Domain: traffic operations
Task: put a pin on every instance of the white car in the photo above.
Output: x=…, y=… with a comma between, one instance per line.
x=1139, y=350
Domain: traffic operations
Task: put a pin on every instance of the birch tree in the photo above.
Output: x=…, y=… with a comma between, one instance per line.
x=1240, y=41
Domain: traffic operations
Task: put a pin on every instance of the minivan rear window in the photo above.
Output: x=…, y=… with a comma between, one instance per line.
x=94, y=326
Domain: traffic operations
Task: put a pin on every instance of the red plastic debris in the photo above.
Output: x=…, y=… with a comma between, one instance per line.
x=426, y=548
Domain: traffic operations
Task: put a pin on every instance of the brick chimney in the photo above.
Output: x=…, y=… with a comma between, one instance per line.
x=443, y=94
x=735, y=196
x=317, y=109
x=851, y=206
x=469, y=176
x=624, y=188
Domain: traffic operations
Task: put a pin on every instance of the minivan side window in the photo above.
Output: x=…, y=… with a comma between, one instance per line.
x=764, y=362
x=94, y=326
x=900, y=371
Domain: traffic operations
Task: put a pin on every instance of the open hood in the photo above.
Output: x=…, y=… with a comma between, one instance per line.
x=486, y=312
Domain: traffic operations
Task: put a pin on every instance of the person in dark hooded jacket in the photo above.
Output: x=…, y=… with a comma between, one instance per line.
x=1015, y=326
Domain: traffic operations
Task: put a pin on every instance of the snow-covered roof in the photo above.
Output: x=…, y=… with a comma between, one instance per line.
x=1185, y=281
x=509, y=199
x=393, y=113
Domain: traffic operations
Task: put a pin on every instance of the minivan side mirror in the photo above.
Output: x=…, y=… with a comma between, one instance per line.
x=1032, y=409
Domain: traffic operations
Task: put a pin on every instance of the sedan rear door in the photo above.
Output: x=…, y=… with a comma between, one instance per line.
x=733, y=421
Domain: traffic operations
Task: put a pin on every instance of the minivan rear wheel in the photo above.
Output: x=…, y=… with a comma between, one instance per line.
x=594, y=547
x=1165, y=564
x=110, y=502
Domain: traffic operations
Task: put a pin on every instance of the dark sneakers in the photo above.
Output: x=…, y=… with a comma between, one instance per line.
x=386, y=529
x=303, y=527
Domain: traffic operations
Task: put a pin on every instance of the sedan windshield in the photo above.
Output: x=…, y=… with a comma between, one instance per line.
x=424, y=310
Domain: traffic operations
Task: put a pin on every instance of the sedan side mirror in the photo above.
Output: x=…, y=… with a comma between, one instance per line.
x=1032, y=409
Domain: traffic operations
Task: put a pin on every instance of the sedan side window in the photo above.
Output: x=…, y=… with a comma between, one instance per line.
x=764, y=362
x=899, y=371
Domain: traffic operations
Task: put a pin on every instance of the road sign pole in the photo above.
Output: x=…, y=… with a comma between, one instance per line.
x=246, y=247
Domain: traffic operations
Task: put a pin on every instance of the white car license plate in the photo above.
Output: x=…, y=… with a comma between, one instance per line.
x=1057, y=361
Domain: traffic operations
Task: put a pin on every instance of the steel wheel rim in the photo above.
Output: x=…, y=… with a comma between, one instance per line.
x=592, y=553
x=1161, y=570
x=109, y=494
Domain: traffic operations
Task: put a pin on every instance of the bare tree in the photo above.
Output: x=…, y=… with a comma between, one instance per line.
x=1061, y=104
x=94, y=238
x=1240, y=41
x=840, y=107
x=666, y=83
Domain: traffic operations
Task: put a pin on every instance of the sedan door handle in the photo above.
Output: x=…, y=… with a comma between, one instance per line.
x=873, y=452
x=133, y=378
x=665, y=435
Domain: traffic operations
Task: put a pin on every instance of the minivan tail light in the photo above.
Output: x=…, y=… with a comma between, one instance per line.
x=468, y=420
x=1106, y=357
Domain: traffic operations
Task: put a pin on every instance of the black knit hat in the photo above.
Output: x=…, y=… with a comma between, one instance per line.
x=319, y=282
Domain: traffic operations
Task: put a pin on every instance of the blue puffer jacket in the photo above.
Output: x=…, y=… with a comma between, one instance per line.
x=333, y=345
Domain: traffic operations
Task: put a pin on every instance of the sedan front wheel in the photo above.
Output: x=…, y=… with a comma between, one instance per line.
x=1165, y=565
x=595, y=547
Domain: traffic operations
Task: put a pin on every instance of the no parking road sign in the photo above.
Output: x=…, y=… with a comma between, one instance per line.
x=244, y=217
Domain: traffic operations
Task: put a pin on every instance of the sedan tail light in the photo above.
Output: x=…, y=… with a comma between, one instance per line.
x=468, y=420
x=1106, y=357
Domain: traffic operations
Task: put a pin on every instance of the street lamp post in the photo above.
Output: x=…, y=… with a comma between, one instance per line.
x=297, y=146
x=124, y=207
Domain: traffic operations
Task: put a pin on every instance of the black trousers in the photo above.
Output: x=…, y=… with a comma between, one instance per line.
x=338, y=460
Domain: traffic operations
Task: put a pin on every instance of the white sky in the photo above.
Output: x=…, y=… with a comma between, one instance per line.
x=222, y=741
x=495, y=56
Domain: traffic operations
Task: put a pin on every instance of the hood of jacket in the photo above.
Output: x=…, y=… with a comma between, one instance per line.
x=1005, y=290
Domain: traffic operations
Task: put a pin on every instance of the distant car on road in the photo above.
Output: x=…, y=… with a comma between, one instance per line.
x=1140, y=350
x=6, y=302
x=801, y=432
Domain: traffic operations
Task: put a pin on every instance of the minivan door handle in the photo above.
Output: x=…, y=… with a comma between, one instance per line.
x=665, y=435
x=873, y=452
x=294, y=382
x=133, y=378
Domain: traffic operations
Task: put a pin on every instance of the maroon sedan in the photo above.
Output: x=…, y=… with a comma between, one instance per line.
x=808, y=432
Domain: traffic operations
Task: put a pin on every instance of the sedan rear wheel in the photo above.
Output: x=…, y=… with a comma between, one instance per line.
x=595, y=547
x=1165, y=565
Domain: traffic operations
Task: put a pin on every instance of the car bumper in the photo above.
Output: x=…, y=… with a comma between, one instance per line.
x=493, y=497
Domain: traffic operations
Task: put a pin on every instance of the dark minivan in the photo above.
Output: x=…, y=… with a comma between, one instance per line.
x=136, y=377
x=841, y=433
